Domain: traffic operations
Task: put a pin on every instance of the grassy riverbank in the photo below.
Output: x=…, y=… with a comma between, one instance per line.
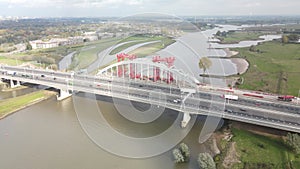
x=145, y=50
x=238, y=36
x=9, y=61
x=152, y=48
x=12, y=105
x=250, y=146
x=89, y=53
x=138, y=39
x=273, y=68
x=258, y=151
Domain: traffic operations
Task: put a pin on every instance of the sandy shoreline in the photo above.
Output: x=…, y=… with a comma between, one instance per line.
x=230, y=53
x=242, y=65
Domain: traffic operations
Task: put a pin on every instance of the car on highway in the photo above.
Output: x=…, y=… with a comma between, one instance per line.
x=177, y=100
x=228, y=110
x=11, y=73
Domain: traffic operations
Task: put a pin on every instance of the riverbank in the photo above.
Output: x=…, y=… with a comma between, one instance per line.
x=265, y=149
x=242, y=65
x=12, y=105
x=234, y=37
x=8, y=89
x=273, y=68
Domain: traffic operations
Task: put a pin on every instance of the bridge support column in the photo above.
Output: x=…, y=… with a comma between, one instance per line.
x=63, y=94
x=13, y=85
x=186, y=119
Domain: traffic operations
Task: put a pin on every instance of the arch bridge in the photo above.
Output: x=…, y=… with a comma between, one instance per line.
x=158, y=70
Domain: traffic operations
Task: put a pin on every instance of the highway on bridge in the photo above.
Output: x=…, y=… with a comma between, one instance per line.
x=274, y=114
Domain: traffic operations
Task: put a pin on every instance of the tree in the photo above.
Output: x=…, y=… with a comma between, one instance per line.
x=219, y=33
x=293, y=37
x=28, y=46
x=53, y=67
x=178, y=156
x=205, y=63
x=252, y=48
x=181, y=154
x=293, y=141
x=284, y=39
x=185, y=151
x=205, y=161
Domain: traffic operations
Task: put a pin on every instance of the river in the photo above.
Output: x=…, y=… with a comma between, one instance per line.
x=48, y=135
x=243, y=44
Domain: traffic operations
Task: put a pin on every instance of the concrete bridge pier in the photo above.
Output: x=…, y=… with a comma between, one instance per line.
x=13, y=85
x=63, y=94
x=186, y=119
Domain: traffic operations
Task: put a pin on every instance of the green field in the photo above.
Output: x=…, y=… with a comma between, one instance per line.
x=257, y=150
x=236, y=37
x=9, y=61
x=145, y=50
x=152, y=48
x=89, y=53
x=142, y=39
x=20, y=102
x=125, y=46
x=275, y=68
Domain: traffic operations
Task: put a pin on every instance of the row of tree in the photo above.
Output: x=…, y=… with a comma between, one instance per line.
x=39, y=59
x=182, y=155
x=293, y=141
x=290, y=38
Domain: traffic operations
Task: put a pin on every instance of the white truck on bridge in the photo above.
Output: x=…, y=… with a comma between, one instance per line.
x=11, y=73
x=187, y=90
x=231, y=97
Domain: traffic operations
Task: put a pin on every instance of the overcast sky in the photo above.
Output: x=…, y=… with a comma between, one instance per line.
x=77, y=8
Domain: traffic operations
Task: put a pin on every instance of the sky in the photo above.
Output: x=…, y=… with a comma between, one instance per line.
x=96, y=8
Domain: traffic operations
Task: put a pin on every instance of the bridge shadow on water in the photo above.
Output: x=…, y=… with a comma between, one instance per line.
x=156, y=127
x=134, y=129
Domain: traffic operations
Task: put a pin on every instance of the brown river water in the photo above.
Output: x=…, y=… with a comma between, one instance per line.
x=48, y=135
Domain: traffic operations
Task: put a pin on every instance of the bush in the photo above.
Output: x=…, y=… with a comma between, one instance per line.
x=181, y=154
x=185, y=151
x=293, y=141
x=178, y=156
x=205, y=161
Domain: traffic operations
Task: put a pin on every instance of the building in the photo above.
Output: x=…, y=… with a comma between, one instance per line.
x=39, y=44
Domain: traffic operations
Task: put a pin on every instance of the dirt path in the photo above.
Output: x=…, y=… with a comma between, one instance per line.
x=232, y=156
